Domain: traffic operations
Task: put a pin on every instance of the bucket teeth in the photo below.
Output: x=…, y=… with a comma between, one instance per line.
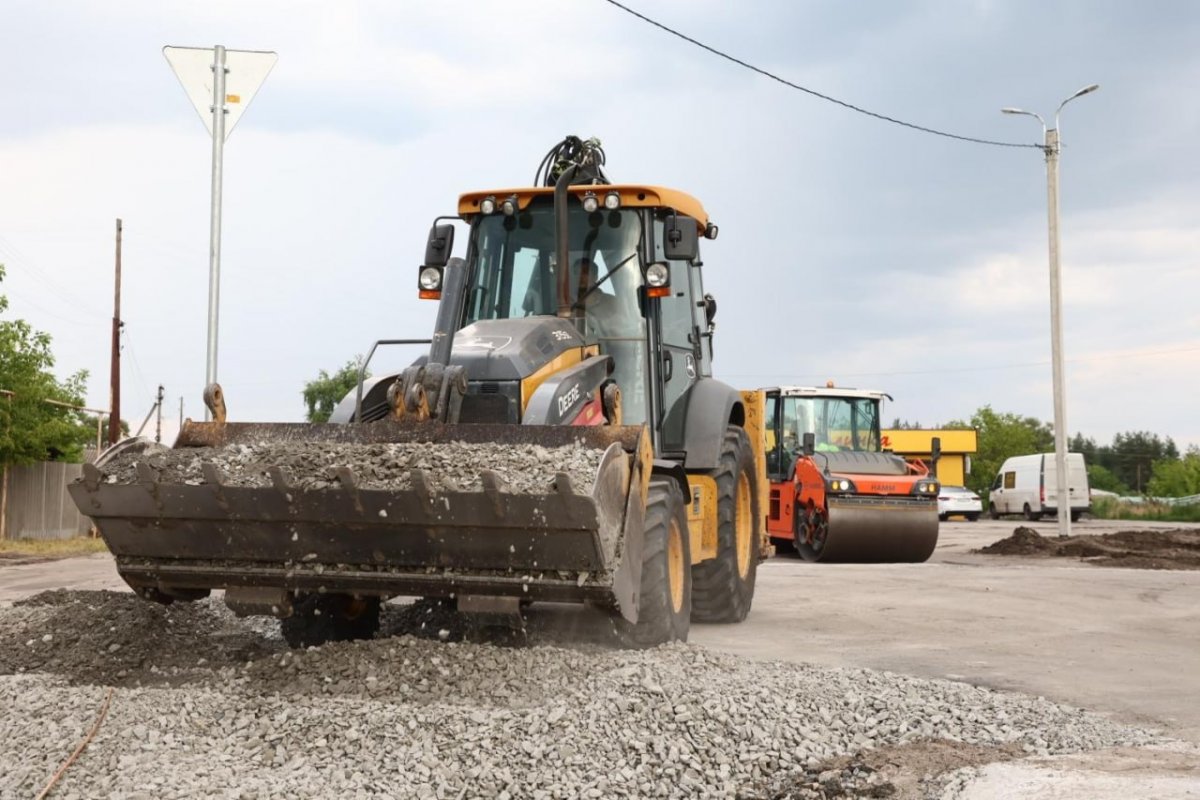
x=563, y=484
x=349, y=483
x=146, y=473
x=212, y=474
x=346, y=478
x=91, y=476
x=422, y=488
x=494, y=487
x=279, y=479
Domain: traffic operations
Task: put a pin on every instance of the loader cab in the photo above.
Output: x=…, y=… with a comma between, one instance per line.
x=629, y=286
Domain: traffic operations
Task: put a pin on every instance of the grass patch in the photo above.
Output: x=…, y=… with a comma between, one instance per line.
x=52, y=548
x=1108, y=508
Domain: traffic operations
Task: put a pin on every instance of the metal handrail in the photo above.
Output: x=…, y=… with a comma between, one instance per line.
x=362, y=369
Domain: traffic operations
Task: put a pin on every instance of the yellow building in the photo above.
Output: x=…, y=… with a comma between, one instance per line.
x=957, y=447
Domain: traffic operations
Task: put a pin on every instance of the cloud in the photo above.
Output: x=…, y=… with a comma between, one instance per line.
x=850, y=248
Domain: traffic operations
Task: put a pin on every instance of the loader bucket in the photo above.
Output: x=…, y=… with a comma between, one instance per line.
x=875, y=530
x=371, y=510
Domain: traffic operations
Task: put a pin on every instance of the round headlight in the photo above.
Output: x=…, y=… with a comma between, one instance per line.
x=590, y=202
x=431, y=279
x=509, y=206
x=657, y=275
x=612, y=201
x=487, y=205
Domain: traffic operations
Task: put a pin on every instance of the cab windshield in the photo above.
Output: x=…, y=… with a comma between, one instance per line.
x=837, y=423
x=515, y=274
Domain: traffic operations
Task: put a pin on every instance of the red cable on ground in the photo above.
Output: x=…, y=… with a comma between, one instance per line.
x=82, y=745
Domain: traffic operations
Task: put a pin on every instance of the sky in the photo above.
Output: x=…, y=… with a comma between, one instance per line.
x=851, y=249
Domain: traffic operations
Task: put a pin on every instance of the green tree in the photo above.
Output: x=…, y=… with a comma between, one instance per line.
x=1132, y=455
x=30, y=428
x=1176, y=477
x=1101, y=477
x=324, y=393
x=1002, y=435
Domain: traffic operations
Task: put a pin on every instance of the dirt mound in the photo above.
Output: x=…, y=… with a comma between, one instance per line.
x=1156, y=549
x=1023, y=542
x=117, y=638
x=898, y=772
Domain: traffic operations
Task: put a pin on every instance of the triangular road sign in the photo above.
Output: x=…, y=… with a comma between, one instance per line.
x=245, y=72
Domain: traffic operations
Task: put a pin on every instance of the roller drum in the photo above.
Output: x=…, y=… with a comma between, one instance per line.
x=875, y=530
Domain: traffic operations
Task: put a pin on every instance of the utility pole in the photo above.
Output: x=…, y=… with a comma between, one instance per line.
x=8, y=395
x=1051, y=149
x=180, y=412
x=114, y=414
x=158, y=421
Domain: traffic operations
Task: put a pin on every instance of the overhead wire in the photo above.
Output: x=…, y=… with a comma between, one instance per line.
x=19, y=259
x=813, y=92
x=1087, y=357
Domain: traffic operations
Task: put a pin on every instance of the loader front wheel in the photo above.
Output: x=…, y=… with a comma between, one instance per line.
x=320, y=618
x=723, y=587
x=665, y=594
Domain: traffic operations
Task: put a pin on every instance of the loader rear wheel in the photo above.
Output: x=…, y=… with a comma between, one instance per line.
x=665, y=594
x=320, y=618
x=723, y=587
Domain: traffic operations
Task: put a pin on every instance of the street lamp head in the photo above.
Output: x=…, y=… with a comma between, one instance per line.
x=1085, y=90
x=1011, y=110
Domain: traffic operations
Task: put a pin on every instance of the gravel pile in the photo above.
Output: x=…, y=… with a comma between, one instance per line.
x=110, y=638
x=410, y=717
x=451, y=466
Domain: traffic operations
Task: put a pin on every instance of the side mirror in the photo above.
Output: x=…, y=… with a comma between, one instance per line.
x=681, y=240
x=439, y=246
x=810, y=443
x=710, y=310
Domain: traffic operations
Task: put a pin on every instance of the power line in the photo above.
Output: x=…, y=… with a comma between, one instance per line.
x=1087, y=357
x=813, y=92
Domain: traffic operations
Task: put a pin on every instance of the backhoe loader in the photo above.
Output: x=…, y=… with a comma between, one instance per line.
x=574, y=330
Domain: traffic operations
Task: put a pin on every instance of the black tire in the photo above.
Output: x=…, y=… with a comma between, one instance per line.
x=320, y=618
x=974, y=517
x=1027, y=512
x=664, y=605
x=1075, y=515
x=993, y=512
x=943, y=517
x=723, y=587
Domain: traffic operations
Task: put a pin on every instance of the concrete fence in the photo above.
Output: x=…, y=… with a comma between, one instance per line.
x=34, y=503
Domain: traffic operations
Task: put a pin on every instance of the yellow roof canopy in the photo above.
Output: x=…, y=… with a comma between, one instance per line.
x=632, y=196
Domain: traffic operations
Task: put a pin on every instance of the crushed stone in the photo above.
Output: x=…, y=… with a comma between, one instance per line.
x=418, y=717
x=449, y=466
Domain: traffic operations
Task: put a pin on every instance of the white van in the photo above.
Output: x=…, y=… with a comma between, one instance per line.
x=1028, y=485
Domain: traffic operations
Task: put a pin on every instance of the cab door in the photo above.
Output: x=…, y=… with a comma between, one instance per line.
x=780, y=506
x=678, y=354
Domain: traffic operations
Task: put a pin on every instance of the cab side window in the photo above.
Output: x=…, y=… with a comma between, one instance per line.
x=1010, y=480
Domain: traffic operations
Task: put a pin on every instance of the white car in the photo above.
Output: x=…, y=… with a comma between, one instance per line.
x=959, y=500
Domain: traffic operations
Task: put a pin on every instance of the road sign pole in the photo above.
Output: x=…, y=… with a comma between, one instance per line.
x=214, y=239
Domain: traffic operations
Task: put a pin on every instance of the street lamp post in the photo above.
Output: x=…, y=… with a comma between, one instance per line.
x=1051, y=149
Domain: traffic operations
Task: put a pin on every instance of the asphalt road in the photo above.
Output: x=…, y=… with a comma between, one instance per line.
x=1124, y=642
